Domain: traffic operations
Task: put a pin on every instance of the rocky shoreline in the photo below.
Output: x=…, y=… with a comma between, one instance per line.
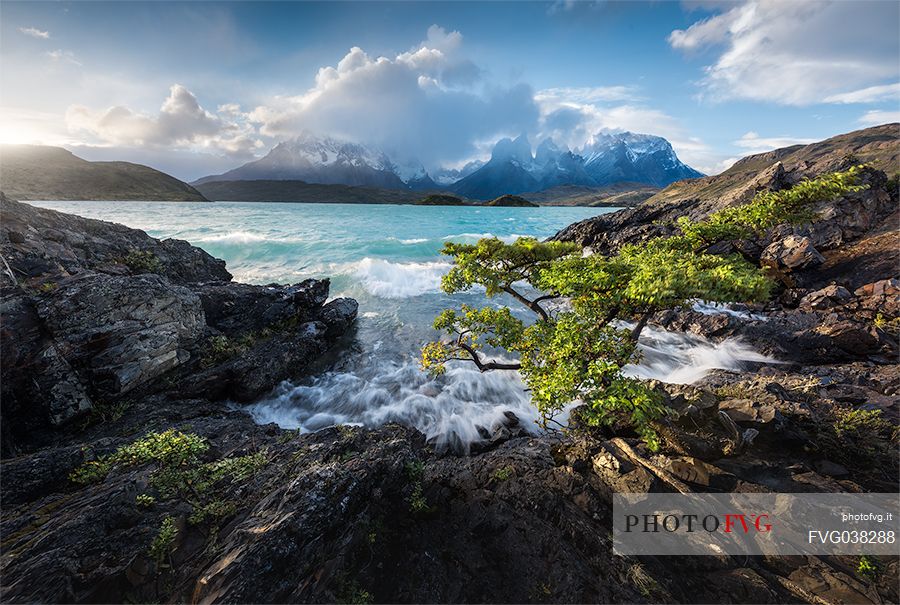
x=109, y=335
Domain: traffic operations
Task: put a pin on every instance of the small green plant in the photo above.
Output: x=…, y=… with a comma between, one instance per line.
x=171, y=448
x=502, y=474
x=162, y=544
x=288, y=436
x=142, y=261
x=642, y=581
x=346, y=431
x=145, y=500
x=868, y=567
x=417, y=501
x=353, y=594
x=47, y=287
x=219, y=349
x=888, y=325
x=415, y=469
x=213, y=511
x=860, y=424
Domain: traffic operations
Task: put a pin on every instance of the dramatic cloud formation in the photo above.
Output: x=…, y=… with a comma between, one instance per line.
x=34, y=32
x=799, y=52
x=430, y=102
x=181, y=122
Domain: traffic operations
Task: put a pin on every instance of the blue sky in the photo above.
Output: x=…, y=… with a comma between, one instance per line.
x=194, y=88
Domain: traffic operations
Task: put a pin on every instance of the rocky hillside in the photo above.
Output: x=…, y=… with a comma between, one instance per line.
x=129, y=477
x=34, y=172
x=619, y=195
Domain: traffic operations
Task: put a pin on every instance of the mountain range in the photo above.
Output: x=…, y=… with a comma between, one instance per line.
x=607, y=158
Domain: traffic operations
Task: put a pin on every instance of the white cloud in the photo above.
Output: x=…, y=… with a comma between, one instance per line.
x=181, y=123
x=429, y=102
x=587, y=94
x=872, y=94
x=877, y=117
x=798, y=52
x=64, y=56
x=754, y=143
x=34, y=32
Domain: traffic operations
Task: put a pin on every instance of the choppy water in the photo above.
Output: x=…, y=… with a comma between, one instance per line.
x=387, y=257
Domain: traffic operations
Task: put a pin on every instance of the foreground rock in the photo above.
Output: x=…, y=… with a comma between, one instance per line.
x=96, y=315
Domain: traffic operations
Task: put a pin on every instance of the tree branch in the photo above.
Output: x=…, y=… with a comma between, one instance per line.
x=484, y=366
x=531, y=304
x=639, y=326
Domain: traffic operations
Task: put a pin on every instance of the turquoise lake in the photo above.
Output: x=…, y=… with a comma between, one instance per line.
x=388, y=258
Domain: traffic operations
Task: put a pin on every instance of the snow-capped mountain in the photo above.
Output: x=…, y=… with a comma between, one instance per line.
x=326, y=160
x=612, y=157
x=608, y=157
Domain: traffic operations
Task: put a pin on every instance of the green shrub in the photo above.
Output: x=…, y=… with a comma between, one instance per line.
x=575, y=353
x=145, y=500
x=142, y=261
x=868, y=567
x=162, y=544
x=168, y=449
x=502, y=474
x=861, y=424
x=417, y=501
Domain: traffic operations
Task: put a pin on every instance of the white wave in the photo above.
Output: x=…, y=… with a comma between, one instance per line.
x=415, y=240
x=714, y=308
x=400, y=280
x=370, y=314
x=236, y=237
x=682, y=359
x=449, y=409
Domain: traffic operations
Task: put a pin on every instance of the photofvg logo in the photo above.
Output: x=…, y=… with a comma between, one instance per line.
x=755, y=524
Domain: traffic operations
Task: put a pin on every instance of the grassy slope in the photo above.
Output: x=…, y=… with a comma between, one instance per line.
x=34, y=172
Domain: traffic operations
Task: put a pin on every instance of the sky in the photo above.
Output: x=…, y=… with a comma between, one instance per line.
x=201, y=87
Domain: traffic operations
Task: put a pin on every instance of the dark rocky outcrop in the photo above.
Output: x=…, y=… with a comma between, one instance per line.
x=96, y=315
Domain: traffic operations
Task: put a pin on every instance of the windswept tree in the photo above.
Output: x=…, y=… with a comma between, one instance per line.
x=573, y=350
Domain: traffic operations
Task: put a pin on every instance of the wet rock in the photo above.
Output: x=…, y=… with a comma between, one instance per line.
x=747, y=410
x=881, y=297
x=832, y=469
x=120, y=332
x=855, y=338
x=238, y=309
x=791, y=253
x=696, y=471
x=46, y=242
x=826, y=298
x=339, y=314
x=619, y=472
